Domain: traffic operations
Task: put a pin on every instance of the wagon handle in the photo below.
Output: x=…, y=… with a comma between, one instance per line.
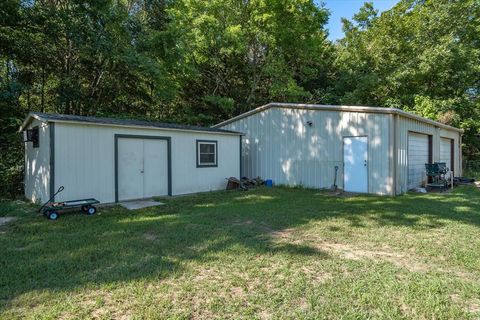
x=58, y=191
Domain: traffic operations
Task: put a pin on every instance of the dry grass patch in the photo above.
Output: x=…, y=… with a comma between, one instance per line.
x=405, y=260
x=469, y=305
x=347, y=251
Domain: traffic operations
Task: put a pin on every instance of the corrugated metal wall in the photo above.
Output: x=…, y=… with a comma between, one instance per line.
x=37, y=165
x=406, y=125
x=84, y=160
x=279, y=144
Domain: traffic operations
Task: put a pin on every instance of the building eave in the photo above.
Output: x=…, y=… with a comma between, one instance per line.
x=365, y=109
x=232, y=133
x=32, y=115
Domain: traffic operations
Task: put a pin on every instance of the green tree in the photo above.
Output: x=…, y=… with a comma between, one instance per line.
x=421, y=56
x=245, y=53
x=81, y=57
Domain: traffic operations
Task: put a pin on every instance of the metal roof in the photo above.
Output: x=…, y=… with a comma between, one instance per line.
x=337, y=108
x=51, y=117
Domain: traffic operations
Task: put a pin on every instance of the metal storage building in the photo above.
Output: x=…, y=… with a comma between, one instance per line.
x=114, y=160
x=377, y=150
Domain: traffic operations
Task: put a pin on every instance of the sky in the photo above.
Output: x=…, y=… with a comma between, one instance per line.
x=346, y=9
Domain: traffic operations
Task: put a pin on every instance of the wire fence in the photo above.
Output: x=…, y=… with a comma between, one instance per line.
x=471, y=168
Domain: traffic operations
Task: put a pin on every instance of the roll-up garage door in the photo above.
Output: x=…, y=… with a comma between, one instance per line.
x=417, y=157
x=446, y=152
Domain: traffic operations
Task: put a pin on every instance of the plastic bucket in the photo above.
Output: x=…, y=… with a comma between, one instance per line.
x=269, y=183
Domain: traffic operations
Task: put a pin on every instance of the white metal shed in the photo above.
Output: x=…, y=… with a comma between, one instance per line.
x=115, y=160
x=377, y=150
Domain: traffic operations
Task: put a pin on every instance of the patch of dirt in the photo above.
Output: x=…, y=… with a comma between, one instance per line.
x=470, y=306
x=346, y=251
x=315, y=276
x=352, y=253
x=99, y=313
x=237, y=292
x=302, y=304
x=265, y=315
x=474, y=308
x=100, y=305
x=464, y=275
x=5, y=220
x=65, y=316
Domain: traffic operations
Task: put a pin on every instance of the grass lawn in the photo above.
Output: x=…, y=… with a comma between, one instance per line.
x=267, y=253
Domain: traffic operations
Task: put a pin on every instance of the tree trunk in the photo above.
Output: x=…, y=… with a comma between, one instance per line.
x=42, y=103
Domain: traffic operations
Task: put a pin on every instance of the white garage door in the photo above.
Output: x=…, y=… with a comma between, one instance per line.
x=446, y=152
x=417, y=157
x=142, y=168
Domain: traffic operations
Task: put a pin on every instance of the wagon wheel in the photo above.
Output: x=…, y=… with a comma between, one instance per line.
x=52, y=215
x=91, y=210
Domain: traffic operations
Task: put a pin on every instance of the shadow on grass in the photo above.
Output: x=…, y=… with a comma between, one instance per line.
x=156, y=243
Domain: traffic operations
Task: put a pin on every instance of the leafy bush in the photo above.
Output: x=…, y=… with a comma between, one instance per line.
x=471, y=169
x=11, y=164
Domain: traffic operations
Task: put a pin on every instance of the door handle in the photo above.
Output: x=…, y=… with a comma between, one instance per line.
x=141, y=171
x=365, y=163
